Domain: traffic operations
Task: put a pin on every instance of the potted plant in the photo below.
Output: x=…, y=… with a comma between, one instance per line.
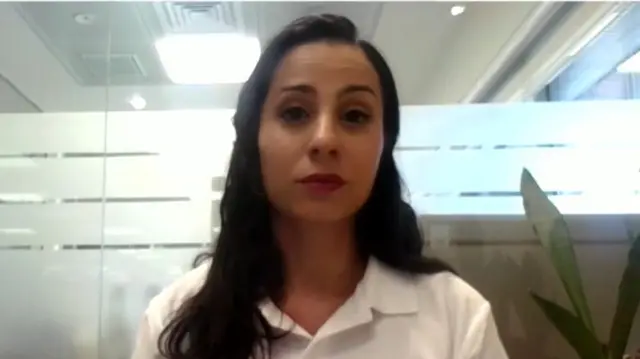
x=575, y=324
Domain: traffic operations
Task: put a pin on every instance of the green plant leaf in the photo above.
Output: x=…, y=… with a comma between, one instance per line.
x=572, y=329
x=553, y=232
x=628, y=302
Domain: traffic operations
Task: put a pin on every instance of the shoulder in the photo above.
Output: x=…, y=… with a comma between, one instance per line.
x=443, y=296
x=162, y=307
x=161, y=310
x=460, y=314
x=454, y=299
x=448, y=290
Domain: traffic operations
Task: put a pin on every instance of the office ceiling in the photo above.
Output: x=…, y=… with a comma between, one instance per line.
x=60, y=50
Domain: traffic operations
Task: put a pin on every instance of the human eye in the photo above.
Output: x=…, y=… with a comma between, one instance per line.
x=294, y=114
x=356, y=116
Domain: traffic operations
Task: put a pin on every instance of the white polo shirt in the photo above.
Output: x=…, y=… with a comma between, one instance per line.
x=389, y=316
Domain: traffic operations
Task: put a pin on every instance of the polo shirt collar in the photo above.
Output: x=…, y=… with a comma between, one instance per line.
x=382, y=289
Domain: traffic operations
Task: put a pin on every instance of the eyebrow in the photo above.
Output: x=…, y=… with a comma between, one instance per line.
x=347, y=89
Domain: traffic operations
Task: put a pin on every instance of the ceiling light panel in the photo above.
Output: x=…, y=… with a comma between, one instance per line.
x=208, y=58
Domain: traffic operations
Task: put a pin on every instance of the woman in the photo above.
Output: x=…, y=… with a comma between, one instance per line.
x=318, y=256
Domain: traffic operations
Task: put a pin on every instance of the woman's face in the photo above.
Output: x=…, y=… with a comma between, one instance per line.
x=321, y=132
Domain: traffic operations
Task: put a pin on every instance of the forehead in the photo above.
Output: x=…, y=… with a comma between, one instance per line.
x=321, y=64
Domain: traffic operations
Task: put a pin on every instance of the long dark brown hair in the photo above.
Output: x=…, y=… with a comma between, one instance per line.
x=222, y=320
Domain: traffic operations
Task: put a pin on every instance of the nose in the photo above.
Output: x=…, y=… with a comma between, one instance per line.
x=325, y=137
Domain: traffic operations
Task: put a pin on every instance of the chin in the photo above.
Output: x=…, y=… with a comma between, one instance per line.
x=323, y=213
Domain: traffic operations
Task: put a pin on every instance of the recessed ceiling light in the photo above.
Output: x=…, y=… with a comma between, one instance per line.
x=138, y=102
x=200, y=59
x=631, y=65
x=457, y=10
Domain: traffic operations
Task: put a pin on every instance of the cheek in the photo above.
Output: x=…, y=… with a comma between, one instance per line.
x=366, y=160
x=274, y=157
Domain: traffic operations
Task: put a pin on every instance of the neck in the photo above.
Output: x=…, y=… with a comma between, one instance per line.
x=319, y=258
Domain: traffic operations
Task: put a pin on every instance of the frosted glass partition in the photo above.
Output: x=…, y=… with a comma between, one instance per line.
x=88, y=237
x=467, y=160
x=50, y=302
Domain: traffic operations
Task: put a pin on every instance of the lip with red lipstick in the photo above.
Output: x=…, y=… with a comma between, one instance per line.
x=322, y=183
